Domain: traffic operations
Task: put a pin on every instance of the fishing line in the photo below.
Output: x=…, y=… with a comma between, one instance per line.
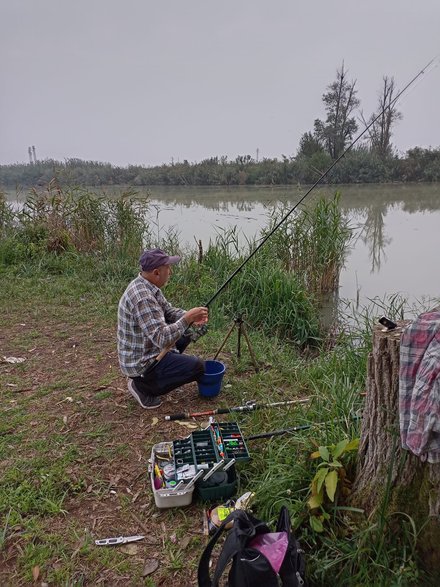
x=429, y=65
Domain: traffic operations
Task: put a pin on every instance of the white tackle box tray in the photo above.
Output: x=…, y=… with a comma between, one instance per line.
x=165, y=497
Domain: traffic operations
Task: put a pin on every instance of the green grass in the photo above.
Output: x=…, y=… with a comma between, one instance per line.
x=45, y=492
x=279, y=472
x=68, y=564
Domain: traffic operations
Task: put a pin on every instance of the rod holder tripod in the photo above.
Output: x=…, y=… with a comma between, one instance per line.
x=240, y=324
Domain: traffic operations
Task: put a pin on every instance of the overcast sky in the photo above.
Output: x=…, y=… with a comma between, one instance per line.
x=151, y=81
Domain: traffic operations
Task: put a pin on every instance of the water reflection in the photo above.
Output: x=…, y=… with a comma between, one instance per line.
x=373, y=236
x=413, y=197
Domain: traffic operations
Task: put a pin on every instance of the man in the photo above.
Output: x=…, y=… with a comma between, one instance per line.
x=148, y=325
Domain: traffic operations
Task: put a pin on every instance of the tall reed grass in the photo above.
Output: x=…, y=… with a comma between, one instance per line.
x=57, y=221
x=267, y=296
x=6, y=216
x=312, y=242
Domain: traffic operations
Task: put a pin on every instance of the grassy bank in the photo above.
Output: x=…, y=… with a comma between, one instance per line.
x=74, y=446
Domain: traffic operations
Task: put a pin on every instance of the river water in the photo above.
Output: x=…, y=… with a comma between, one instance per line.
x=396, y=229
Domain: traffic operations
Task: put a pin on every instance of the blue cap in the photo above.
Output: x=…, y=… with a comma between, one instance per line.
x=154, y=258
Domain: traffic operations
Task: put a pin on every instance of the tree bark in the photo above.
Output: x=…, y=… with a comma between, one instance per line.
x=387, y=476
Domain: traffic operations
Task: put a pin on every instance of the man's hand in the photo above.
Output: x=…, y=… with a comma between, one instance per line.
x=197, y=316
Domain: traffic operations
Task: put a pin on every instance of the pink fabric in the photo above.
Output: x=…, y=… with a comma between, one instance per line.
x=419, y=387
x=273, y=546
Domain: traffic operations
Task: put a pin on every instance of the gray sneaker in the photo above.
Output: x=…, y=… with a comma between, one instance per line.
x=148, y=402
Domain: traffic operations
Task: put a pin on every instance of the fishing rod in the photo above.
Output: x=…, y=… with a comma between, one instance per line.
x=298, y=428
x=323, y=176
x=249, y=406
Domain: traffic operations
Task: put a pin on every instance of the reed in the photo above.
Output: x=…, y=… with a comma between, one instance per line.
x=276, y=301
x=54, y=221
x=312, y=243
x=6, y=216
x=278, y=289
x=266, y=295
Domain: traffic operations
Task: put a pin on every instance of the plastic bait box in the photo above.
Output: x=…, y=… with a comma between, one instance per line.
x=192, y=458
x=168, y=497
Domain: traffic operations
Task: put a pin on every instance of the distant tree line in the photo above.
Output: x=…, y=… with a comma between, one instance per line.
x=372, y=160
x=358, y=166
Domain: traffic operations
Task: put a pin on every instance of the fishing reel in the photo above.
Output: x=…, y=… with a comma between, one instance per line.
x=196, y=332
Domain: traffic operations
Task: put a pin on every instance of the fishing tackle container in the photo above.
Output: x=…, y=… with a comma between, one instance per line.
x=205, y=454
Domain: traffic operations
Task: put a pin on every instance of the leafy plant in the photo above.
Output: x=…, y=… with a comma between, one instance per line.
x=329, y=477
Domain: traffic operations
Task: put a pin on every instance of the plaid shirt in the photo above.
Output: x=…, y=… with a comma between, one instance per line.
x=419, y=387
x=147, y=323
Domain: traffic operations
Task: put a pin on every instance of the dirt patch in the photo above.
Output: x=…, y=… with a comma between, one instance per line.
x=71, y=396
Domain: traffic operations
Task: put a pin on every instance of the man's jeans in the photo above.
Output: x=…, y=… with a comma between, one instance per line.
x=172, y=371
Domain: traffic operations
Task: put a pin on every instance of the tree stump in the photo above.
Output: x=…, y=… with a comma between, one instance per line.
x=413, y=486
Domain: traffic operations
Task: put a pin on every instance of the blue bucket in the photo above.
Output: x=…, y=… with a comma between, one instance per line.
x=210, y=383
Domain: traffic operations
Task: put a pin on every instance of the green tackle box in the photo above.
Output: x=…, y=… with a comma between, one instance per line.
x=221, y=441
x=205, y=448
x=222, y=491
x=232, y=440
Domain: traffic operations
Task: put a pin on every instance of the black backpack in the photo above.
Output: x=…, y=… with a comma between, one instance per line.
x=250, y=568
